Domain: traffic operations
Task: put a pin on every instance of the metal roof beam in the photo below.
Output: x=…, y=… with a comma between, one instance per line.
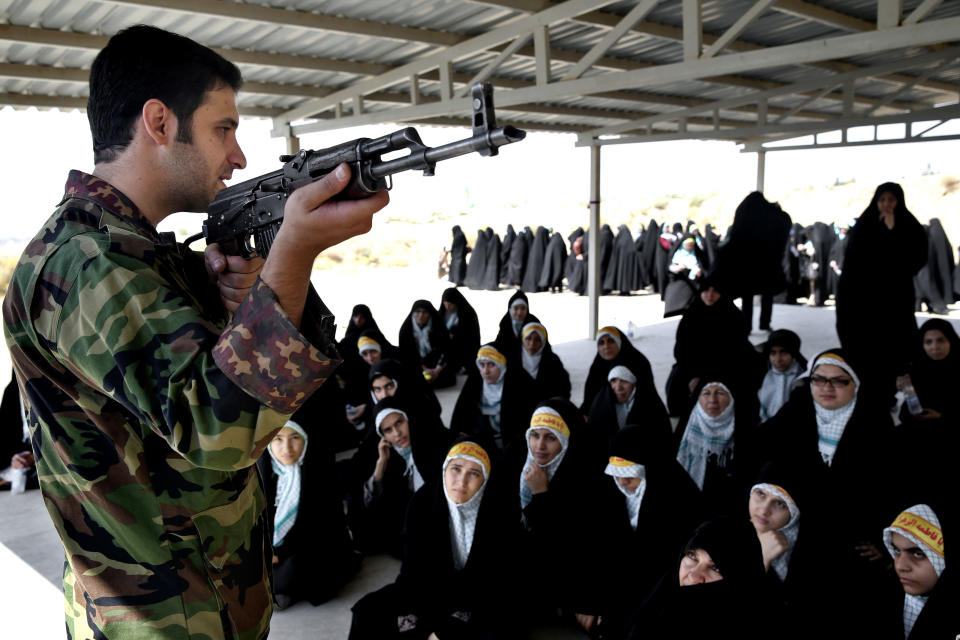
x=737, y=28
x=809, y=85
x=799, y=128
x=922, y=11
x=479, y=43
x=675, y=34
x=636, y=14
x=799, y=53
x=300, y=19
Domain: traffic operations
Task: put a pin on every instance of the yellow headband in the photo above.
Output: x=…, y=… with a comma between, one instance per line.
x=365, y=343
x=610, y=330
x=472, y=450
x=831, y=354
x=923, y=530
x=621, y=462
x=533, y=326
x=783, y=491
x=489, y=353
x=549, y=421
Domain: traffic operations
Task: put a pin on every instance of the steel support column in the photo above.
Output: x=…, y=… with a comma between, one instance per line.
x=593, y=244
x=761, y=168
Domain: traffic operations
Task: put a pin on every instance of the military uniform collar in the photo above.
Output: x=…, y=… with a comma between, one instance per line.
x=112, y=201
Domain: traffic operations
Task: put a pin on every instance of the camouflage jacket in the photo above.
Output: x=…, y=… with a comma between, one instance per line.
x=148, y=408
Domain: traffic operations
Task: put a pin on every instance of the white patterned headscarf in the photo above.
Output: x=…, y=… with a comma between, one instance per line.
x=405, y=452
x=775, y=390
x=463, y=517
x=546, y=418
x=288, y=488
x=706, y=436
x=790, y=530
x=920, y=525
x=531, y=363
x=622, y=468
x=422, y=334
x=832, y=422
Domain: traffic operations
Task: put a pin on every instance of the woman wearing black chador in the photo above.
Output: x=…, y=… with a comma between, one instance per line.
x=875, y=297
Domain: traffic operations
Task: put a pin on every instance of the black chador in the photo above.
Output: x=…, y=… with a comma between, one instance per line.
x=491, y=273
x=643, y=406
x=638, y=525
x=550, y=377
x=458, y=257
x=554, y=261
x=377, y=506
x=627, y=355
x=624, y=271
x=648, y=253
x=427, y=345
x=934, y=282
x=508, y=333
x=462, y=326
x=498, y=410
x=477, y=264
x=361, y=319
x=461, y=563
x=505, y=248
x=535, y=259
x=519, y=251
x=576, y=267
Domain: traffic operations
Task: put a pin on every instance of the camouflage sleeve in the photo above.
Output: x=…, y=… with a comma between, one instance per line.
x=217, y=397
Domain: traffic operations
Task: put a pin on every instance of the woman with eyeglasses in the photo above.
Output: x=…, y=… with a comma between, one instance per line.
x=843, y=442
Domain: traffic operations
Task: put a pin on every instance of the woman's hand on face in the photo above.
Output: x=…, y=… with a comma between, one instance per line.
x=887, y=219
x=383, y=457
x=693, y=384
x=772, y=544
x=537, y=479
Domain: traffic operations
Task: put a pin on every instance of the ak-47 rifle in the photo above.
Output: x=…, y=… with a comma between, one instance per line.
x=253, y=209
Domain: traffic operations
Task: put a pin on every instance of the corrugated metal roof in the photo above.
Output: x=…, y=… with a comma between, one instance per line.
x=300, y=50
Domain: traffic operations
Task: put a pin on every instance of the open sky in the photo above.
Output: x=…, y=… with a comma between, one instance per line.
x=544, y=171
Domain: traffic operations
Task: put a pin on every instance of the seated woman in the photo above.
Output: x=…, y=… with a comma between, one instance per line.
x=685, y=271
x=517, y=315
x=844, y=441
x=915, y=542
x=393, y=378
x=786, y=366
x=550, y=377
x=371, y=348
x=361, y=319
x=619, y=405
x=712, y=440
x=717, y=583
x=312, y=553
x=614, y=348
x=463, y=327
x=933, y=374
x=424, y=342
x=391, y=464
x=496, y=400
x=558, y=481
x=728, y=351
x=649, y=489
x=458, y=574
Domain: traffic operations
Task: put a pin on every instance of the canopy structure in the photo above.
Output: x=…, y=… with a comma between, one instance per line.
x=755, y=72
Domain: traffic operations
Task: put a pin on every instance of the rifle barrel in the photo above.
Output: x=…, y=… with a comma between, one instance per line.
x=430, y=156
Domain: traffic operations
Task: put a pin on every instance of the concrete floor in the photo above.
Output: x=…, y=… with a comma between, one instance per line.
x=31, y=558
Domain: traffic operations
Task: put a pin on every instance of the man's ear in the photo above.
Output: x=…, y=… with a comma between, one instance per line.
x=158, y=122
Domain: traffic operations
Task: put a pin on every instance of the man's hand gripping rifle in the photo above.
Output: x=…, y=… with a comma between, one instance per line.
x=253, y=209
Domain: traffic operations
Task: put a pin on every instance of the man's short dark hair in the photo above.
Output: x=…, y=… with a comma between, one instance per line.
x=142, y=63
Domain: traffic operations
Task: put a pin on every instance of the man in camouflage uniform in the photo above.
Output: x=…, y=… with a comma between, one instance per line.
x=148, y=400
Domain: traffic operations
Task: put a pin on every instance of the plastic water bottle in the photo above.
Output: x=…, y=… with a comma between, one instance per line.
x=913, y=402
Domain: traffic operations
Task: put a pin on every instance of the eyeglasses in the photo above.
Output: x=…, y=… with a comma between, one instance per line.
x=820, y=381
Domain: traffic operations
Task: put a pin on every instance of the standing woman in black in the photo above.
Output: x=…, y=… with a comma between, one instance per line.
x=885, y=249
x=458, y=257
